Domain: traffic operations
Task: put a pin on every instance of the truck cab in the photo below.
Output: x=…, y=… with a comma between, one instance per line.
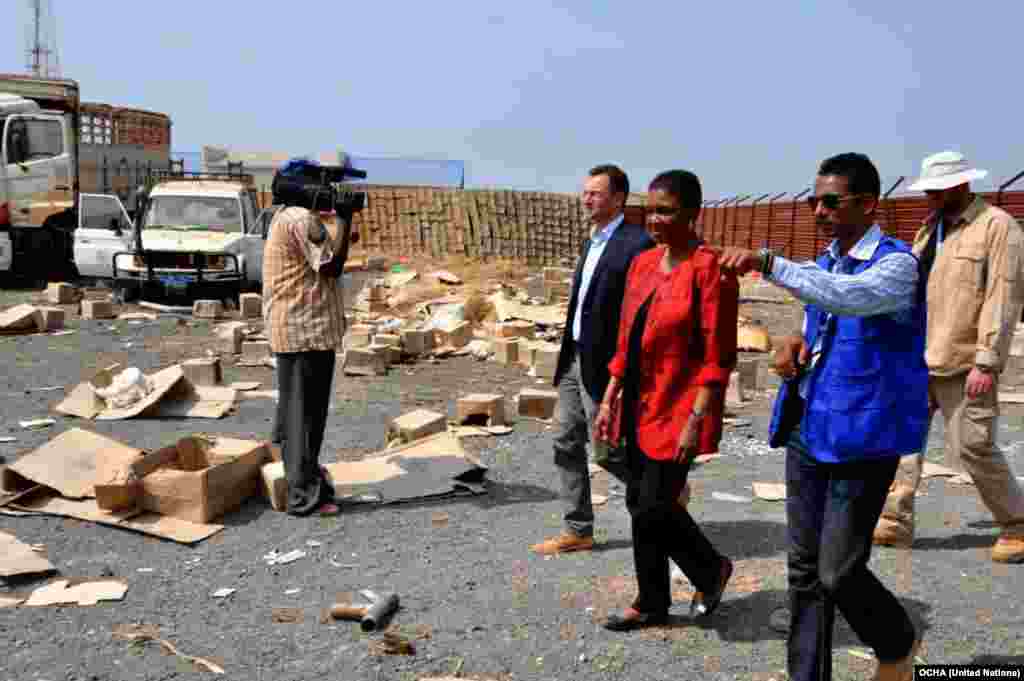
x=199, y=235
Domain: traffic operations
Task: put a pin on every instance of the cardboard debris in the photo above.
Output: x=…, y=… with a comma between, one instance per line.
x=446, y=277
x=435, y=466
x=35, y=424
x=245, y=385
x=137, y=316
x=548, y=315
x=472, y=431
x=8, y=601
x=18, y=558
x=934, y=470
x=62, y=293
x=21, y=319
x=770, y=491
x=172, y=396
x=223, y=593
x=275, y=558
x=60, y=592
x=400, y=279
x=1011, y=398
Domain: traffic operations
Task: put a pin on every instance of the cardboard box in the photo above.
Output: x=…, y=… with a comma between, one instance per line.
x=538, y=404
x=203, y=371
x=275, y=485
x=201, y=479
x=417, y=342
x=250, y=305
x=61, y=293
x=506, y=350
x=416, y=425
x=480, y=409
x=53, y=318
x=97, y=309
x=208, y=309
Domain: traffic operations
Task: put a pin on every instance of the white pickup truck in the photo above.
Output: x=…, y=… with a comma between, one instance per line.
x=202, y=236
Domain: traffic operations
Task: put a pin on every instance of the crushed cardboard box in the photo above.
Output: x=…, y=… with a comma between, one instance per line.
x=59, y=479
x=18, y=558
x=173, y=396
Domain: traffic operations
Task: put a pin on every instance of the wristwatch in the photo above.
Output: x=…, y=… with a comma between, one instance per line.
x=767, y=261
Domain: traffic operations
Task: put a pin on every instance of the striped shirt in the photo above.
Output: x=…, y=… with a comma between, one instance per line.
x=303, y=307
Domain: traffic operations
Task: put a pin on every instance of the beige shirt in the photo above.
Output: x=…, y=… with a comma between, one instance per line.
x=975, y=290
x=303, y=306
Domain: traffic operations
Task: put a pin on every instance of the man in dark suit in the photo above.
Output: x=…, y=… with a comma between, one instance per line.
x=588, y=345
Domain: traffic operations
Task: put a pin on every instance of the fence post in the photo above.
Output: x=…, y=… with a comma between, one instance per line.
x=999, y=194
x=792, y=227
x=771, y=217
x=750, y=224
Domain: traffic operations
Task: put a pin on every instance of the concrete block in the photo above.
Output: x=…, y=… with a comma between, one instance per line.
x=515, y=329
x=203, y=371
x=457, y=336
x=275, y=486
x=230, y=337
x=506, y=350
x=391, y=339
x=53, y=318
x=255, y=352
x=417, y=342
x=97, y=309
x=734, y=393
x=416, y=425
x=545, y=360
x=250, y=305
x=62, y=293
x=480, y=409
x=364, y=362
x=208, y=309
x=539, y=404
x=747, y=369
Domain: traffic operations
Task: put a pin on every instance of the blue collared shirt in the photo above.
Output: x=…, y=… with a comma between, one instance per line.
x=597, y=244
x=888, y=287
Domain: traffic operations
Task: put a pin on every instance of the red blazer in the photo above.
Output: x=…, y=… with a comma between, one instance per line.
x=670, y=371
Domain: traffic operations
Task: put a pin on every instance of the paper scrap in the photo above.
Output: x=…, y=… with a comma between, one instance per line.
x=223, y=593
x=85, y=593
x=8, y=439
x=36, y=423
x=18, y=558
x=725, y=496
x=275, y=558
x=770, y=491
x=292, y=592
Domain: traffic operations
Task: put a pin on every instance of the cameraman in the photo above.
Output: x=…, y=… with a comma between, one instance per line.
x=304, y=315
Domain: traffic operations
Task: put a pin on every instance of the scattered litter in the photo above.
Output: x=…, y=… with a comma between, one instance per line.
x=471, y=431
x=44, y=390
x=7, y=601
x=85, y=593
x=770, y=491
x=275, y=558
x=934, y=470
x=223, y=593
x=137, y=317
x=148, y=632
x=725, y=496
x=144, y=570
x=862, y=654
x=292, y=592
x=446, y=277
x=66, y=332
x=245, y=385
x=286, y=615
x=36, y=424
x=8, y=439
x=348, y=566
x=313, y=543
x=392, y=644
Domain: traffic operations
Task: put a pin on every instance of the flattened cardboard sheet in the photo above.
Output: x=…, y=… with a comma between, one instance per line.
x=18, y=558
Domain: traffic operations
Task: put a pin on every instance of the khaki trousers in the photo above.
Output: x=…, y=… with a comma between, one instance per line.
x=970, y=446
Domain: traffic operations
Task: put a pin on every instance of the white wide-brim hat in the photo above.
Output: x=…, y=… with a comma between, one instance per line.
x=944, y=170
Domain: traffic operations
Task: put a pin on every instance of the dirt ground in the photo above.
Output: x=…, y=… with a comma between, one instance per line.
x=476, y=604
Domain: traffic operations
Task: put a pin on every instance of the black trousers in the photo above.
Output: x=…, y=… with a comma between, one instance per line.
x=304, y=386
x=832, y=510
x=663, y=529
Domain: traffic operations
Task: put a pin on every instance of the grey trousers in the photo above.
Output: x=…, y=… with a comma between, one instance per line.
x=574, y=418
x=304, y=396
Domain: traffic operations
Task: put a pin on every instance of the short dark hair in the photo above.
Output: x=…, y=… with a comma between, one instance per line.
x=617, y=179
x=860, y=173
x=682, y=184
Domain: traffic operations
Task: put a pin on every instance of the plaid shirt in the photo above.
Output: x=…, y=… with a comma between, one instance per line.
x=303, y=308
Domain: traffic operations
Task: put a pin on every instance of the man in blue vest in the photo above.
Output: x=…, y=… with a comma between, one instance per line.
x=853, y=401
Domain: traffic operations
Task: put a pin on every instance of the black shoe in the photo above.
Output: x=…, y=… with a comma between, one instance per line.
x=643, y=619
x=705, y=604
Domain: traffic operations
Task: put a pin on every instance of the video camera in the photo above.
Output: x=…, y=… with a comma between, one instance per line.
x=318, y=187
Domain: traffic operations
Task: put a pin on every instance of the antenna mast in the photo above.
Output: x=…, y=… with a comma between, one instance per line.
x=42, y=41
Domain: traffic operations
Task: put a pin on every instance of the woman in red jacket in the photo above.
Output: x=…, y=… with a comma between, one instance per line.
x=677, y=346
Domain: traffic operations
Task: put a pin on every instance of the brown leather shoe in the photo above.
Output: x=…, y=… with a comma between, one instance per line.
x=563, y=543
x=903, y=670
x=1009, y=548
x=891, y=533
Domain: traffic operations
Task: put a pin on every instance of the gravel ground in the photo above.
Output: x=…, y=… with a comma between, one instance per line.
x=474, y=601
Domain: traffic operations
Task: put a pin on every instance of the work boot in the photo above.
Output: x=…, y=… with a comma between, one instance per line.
x=890, y=532
x=902, y=670
x=563, y=543
x=1009, y=548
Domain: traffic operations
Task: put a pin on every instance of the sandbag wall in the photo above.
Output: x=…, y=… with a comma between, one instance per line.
x=533, y=227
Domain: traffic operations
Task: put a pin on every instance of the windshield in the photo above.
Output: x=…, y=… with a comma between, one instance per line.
x=200, y=213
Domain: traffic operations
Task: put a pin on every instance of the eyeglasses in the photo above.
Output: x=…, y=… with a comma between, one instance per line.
x=830, y=201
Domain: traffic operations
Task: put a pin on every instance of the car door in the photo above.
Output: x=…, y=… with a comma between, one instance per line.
x=255, y=241
x=38, y=159
x=103, y=229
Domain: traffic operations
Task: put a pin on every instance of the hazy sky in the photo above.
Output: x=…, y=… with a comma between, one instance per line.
x=749, y=95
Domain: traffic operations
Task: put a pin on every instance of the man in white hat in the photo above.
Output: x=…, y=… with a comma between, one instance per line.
x=970, y=256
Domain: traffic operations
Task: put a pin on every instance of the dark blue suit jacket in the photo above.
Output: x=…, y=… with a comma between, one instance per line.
x=599, y=326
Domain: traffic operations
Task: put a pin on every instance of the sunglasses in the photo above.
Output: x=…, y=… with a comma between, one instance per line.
x=830, y=201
